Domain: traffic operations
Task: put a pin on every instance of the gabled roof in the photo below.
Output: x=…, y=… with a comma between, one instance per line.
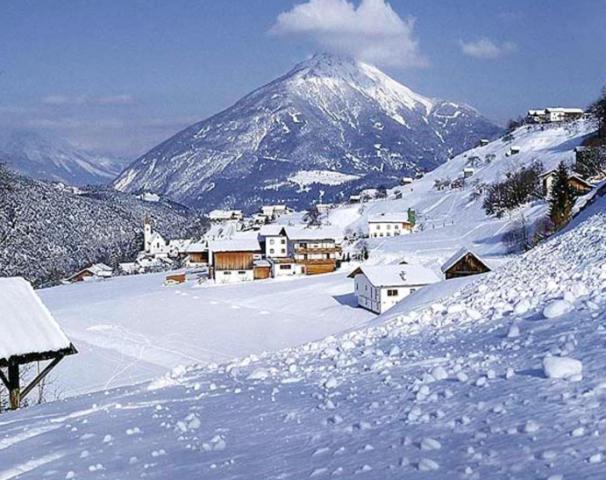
x=272, y=230
x=311, y=234
x=459, y=254
x=197, y=247
x=396, y=275
x=27, y=327
x=235, y=245
x=389, y=217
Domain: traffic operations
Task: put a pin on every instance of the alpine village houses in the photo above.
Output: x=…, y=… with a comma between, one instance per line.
x=391, y=224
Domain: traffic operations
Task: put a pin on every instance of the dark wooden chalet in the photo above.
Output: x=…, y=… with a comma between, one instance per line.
x=464, y=263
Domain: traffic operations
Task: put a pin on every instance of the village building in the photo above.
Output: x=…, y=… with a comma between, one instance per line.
x=29, y=334
x=97, y=271
x=390, y=224
x=261, y=269
x=468, y=172
x=314, y=249
x=324, y=207
x=286, y=267
x=380, y=287
x=554, y=114
x=197, y=254
x=128, y=268
x=484, y=142
x=273, y=212
x=579, y=185
x=274, y=241
x=233, y=261
x=225, y=215
x=406, y=180
x=465, y=262
x=355, y=199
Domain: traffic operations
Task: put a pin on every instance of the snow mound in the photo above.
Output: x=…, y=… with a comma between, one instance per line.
x=565, y=368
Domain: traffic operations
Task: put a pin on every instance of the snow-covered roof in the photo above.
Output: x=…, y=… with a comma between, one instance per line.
x=262, y=263
x=235, y=245
x=460, y=253
x=27, y=325
x=390, y=217
x=313, y=234
x=564, y=110
x=397, y=275
x=271, y=230
x=196, y=247
x=99, y=269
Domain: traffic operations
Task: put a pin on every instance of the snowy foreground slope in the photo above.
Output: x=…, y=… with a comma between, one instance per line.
x=454, y=389
x=451, y=218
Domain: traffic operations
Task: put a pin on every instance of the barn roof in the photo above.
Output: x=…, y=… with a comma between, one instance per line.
x=235, y=245
x=271, y=230
x=27, y=327
x=310, y=234
x=396, y=275
x=459, y=254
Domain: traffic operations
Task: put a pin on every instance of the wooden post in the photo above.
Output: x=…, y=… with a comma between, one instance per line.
x=14, y=388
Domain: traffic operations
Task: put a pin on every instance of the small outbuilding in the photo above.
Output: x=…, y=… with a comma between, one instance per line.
x=463, y=263
x=96, y=271
x=380, y=287
x=29, y=334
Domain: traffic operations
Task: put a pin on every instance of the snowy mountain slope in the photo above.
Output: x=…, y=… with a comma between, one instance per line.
x=328, y=114
x=46, y=158
x=455, y=389
x=120, y=325
x=451, y=218
x=48, y=232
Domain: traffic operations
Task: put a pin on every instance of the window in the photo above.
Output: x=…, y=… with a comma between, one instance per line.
x=396, y=226
x=271, y=250
x=388, y=227
x=378, y=227
x=226, y=273
x=285, y=267
x=283, y=251
x=392, y=292
x=271, y=241
x=283, y=241
x=241, y=272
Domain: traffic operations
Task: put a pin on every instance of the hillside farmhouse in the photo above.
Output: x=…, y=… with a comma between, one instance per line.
x=29, y=334
x=380, y=287
x=390, y=224
x=577, y=183
x=220, y=216
x=554, y=114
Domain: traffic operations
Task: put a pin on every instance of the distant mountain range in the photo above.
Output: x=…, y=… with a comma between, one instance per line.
x=44, y=157
x=329, y=127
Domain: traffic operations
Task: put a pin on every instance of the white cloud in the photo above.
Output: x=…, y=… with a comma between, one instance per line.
x=370, y=31
x=60, y=100
x=486, y=49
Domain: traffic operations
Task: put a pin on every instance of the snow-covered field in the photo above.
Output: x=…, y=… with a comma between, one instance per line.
x=132, y=329
x=501, y=378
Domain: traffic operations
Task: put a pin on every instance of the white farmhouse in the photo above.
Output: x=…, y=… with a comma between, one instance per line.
x=274, y=211
x=380, y=287
x=274, y=241
x=389, y=225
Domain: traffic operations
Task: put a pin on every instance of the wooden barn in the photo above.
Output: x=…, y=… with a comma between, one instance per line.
x=29, y=334
x=463, y=263
x=233, y=260
x=261, y=269
x=197, y=254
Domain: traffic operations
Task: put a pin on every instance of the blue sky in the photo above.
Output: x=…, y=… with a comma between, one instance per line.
x=121, y=76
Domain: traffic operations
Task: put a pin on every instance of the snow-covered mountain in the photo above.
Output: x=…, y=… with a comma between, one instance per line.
x=328, y=127
x=44, y=157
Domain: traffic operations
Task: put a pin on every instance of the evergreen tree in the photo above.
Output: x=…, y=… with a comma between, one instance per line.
x=561, y=199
